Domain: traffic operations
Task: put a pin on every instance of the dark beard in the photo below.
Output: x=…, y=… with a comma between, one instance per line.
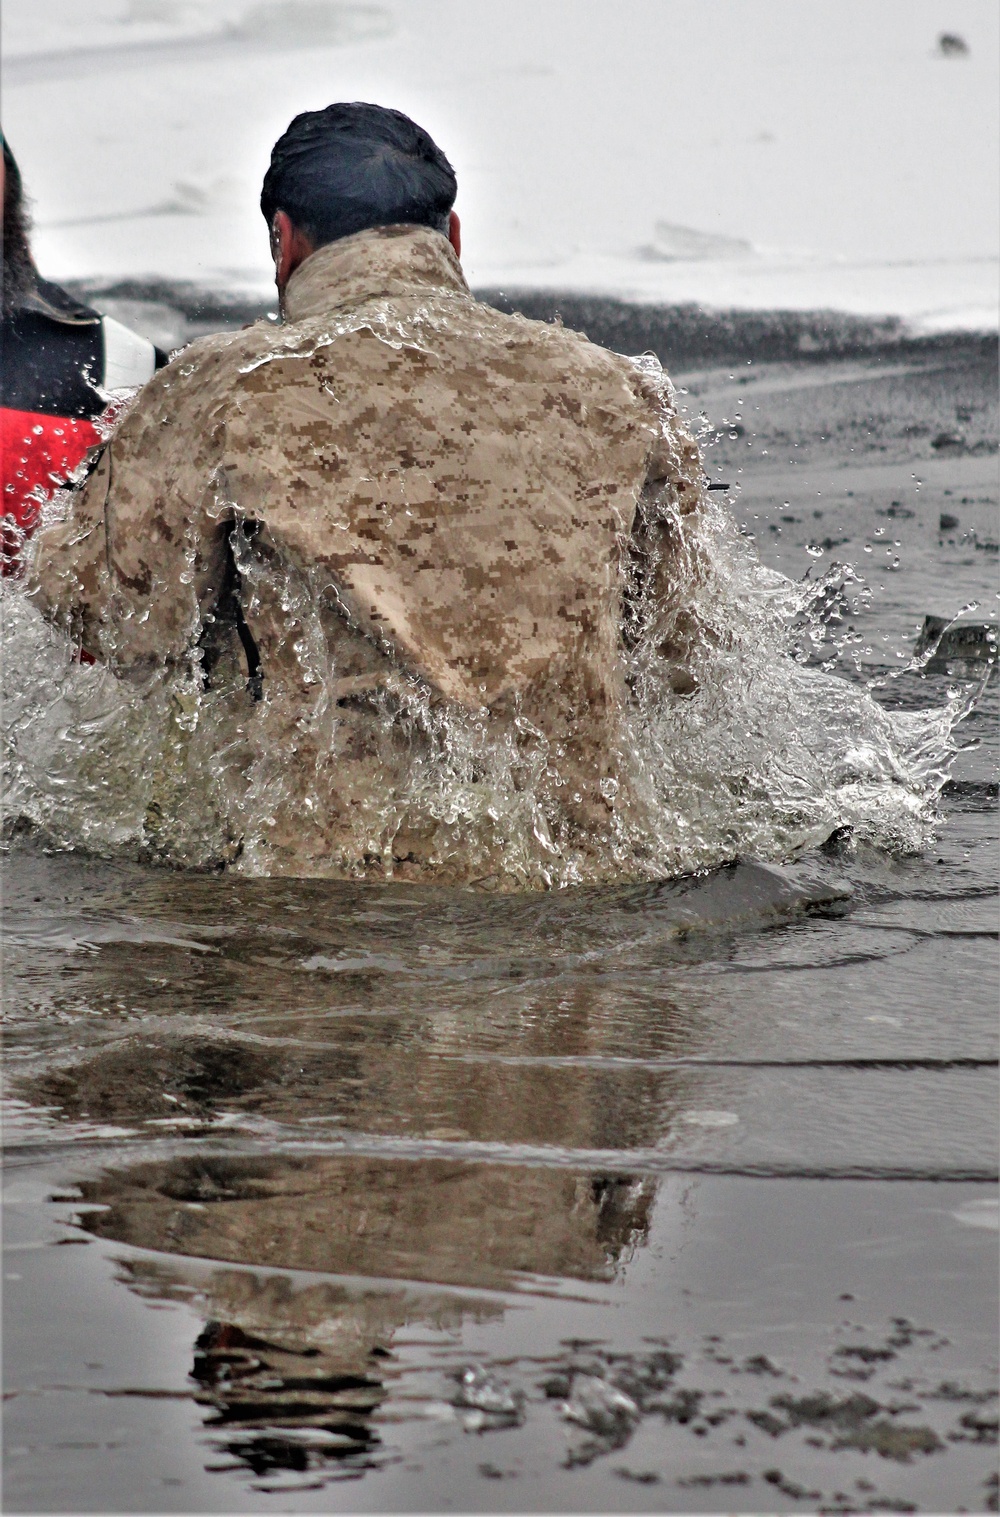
x=19, y=274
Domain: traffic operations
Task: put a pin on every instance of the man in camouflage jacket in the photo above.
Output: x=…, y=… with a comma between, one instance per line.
x=394, y=507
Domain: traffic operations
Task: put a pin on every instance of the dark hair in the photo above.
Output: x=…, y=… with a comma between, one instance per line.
x=353, y=166
x=19, y=274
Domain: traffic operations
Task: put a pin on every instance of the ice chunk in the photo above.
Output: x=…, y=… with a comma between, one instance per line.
x=600, y=1407
x=488, y=1394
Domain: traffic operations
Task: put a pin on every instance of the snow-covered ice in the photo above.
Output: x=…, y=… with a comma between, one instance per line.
x=773, y=154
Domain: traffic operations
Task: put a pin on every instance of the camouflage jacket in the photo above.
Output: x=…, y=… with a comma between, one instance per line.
x=397, y=489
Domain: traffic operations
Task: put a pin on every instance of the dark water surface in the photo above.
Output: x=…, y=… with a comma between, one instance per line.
x=673, y=1197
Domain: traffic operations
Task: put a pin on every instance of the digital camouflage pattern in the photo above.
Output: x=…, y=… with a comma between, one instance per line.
x=397, y=489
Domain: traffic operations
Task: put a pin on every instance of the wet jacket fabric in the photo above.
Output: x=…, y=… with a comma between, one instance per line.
x=397, y=488
x=61, y=361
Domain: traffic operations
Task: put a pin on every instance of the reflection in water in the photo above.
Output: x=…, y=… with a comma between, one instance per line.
x=370, y=1085
x=418, y=1101
x=274, y=1394
x=281, y=1020
x=299, y=1370
x=295, y=1016
x=290, y=1375
x=299, y=1013
x=307, y=1026
x=438, y=1220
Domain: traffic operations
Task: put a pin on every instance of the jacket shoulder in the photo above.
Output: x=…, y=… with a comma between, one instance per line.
x=556, y=344
x=226, y=348
x=206, y=373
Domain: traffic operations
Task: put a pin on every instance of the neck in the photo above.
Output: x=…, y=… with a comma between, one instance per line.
x=383, y=261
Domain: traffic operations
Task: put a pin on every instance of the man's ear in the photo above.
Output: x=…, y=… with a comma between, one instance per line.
x=289, y=247
x=455, y=233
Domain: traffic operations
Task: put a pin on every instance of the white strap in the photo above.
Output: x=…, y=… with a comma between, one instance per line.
x=129, y=360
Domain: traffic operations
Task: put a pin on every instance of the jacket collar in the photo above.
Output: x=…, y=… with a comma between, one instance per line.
x=58, y=305
x=392, y=260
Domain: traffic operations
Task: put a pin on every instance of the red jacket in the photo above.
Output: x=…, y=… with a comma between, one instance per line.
x=63, y=365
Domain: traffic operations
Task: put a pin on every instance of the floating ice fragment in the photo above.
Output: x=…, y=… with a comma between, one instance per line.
x=490, y=1396
x=710, y=1118
x=600, y=1407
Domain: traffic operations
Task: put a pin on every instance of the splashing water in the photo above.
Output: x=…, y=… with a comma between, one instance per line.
x=735, y=741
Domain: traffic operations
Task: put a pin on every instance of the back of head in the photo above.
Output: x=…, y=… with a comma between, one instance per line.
x=353, y=166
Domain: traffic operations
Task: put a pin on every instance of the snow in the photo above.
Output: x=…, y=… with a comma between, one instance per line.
x=794, y=154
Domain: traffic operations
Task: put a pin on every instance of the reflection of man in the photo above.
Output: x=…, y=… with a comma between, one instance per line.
x=61, y=361
x=397, y=491
x=453, y=1222
x=281, y=1363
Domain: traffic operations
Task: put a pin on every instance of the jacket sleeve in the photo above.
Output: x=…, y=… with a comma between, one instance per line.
x=139, y=558
x=68, y=574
